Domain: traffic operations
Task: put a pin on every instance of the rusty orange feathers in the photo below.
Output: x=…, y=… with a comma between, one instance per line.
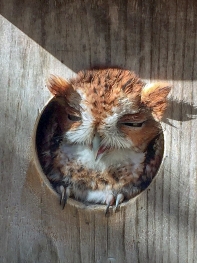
x=107, y=122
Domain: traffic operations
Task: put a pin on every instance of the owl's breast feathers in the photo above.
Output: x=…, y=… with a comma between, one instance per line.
x=118, y=168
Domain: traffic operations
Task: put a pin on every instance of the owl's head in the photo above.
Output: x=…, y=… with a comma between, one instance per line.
x=109, y=109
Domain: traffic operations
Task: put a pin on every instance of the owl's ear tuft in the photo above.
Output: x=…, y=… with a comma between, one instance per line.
x=154, y=96
x=58, y=86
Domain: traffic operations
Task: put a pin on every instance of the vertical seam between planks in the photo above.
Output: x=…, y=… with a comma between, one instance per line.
x=193, y=113
x=173, y=74
x=123, y=232
x=137, y=230
x=182, y=112
x=79, y=233
x=88, y=34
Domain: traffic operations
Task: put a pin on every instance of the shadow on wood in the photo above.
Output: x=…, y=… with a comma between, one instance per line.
x=157, y=39
x=141, y=36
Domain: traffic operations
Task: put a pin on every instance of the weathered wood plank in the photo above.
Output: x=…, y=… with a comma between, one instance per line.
x=158, y=40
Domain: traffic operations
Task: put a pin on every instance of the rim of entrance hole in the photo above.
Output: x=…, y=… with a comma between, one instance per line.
x=71, y=201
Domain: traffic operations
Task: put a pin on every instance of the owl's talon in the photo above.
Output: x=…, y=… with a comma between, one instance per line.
x=107, y=210
x=63, y=198
x=119, y=200
x=64, y=195
x=109, y=202
x=63, y=201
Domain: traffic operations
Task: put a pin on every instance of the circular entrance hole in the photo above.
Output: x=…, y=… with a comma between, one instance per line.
x=48, y=137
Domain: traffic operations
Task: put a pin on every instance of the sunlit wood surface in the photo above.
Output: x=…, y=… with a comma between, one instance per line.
x=156, y=39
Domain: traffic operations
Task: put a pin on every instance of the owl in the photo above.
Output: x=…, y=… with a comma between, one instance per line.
x=101, y=140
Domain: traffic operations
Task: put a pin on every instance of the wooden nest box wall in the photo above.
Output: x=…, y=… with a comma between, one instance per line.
x=157, y=40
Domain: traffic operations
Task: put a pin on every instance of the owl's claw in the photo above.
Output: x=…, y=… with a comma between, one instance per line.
x=107, y=210
x=109, y=202
x=119, y=200
x=110, y=199
x=64, y=195
x=63, y=201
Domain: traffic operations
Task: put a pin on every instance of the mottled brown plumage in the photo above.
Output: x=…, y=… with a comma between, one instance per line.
x=110, y=141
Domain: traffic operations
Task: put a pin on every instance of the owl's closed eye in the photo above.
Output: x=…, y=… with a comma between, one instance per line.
x=107, y=119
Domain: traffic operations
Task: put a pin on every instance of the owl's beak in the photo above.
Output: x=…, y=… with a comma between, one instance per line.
x=97, y=148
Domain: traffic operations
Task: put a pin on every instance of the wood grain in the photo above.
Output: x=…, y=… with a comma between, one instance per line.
x=156, y=39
